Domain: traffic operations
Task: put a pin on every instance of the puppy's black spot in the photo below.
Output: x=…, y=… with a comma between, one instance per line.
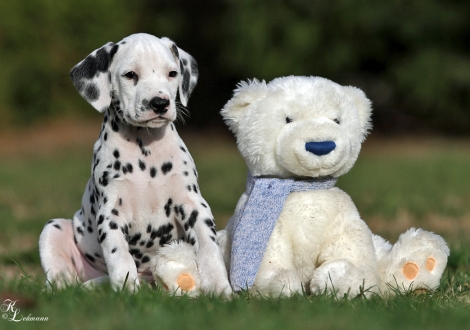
x=149, y=229
x=149, y=244
x=102, y=60
x=141, y=165
x=166, y=167
x=115, y=212
x=102, y=237
x=116, y=153
x=135, y=238
x=92, y=93
x=191, y=240
x=192, y=218
x=204, y=205
x=145, y=259
x=90, y=230
x=57, y=226
x=153, y=171
x=180, y=210
x=168, y=207
x=194, y=67
x=113, y=250
x=113, y=52
x=186, y=79
x=104, y=180
x=182, y=148
x=117, y=165
x=113, y=225
x=80, y=230
x=129, y=167
x=114, y=126
x=174, y=50
x=165, y=239
x=100, y=219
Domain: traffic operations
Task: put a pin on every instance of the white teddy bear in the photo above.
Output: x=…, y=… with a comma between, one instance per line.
x=292, y=230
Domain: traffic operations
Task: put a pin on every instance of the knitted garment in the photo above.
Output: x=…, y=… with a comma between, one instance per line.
x=254, y=223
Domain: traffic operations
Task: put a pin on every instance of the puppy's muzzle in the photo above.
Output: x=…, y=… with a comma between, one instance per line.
x=159, y=105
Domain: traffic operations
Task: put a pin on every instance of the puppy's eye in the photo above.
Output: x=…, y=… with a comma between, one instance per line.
x=336, y=120
x=288, y=120
x=173, y=74
x=130, y=75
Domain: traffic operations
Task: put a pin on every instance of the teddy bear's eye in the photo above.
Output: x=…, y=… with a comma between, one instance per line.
x=336, y=121
x=288, y=120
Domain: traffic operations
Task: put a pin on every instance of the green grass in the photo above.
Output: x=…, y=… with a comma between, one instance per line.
x=392, y=191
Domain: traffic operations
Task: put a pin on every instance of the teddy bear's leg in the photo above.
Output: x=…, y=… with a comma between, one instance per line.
x=415, y=262
x=341, y=277
x=225, y=244
x=347, y=262
x=277, y=282
x=174, y=268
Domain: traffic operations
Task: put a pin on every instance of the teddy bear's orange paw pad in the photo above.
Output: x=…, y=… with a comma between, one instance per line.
x=410, y=270
x=430, y=264
x=186, y=282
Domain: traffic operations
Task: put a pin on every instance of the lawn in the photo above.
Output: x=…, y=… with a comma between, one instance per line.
x=396, y=184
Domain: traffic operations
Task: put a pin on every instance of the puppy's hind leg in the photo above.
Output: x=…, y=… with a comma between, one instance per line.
x=60, y=258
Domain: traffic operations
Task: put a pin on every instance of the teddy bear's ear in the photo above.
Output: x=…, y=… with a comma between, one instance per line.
x=245, y=94
x=363, y=105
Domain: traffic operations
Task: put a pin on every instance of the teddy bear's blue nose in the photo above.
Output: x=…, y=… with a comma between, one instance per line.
x=320, y=148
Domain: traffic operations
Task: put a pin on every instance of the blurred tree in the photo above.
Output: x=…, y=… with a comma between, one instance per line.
x=411, y=57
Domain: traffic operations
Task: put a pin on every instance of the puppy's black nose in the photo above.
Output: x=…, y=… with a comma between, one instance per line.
x=159, y=105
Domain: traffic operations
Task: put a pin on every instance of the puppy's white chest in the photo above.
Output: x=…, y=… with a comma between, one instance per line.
x=145, y=170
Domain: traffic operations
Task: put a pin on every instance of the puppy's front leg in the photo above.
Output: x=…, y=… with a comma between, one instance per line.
x=199, y=227
x=113, y=237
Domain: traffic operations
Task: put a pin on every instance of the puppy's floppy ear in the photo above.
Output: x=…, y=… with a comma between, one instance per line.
x=92, y=79
x=189, y=73
x=364, y=107
x=244, y=95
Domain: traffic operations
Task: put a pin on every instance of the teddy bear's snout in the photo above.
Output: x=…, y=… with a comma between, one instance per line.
x=320, y=148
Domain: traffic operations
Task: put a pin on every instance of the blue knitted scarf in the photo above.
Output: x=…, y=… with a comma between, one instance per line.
x=254, y=223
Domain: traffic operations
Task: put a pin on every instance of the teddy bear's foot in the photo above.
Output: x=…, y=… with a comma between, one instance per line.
x=341, y=277
x=283, y=282
x=174, y=268
x=415, y=262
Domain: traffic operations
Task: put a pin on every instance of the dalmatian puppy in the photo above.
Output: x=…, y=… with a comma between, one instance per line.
x=143, y=192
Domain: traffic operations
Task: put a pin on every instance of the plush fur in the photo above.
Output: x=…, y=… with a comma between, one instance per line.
x=143, y=192
x=311, y=127
x=320, y=242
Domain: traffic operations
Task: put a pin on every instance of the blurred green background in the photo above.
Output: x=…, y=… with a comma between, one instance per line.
x=411, y=57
